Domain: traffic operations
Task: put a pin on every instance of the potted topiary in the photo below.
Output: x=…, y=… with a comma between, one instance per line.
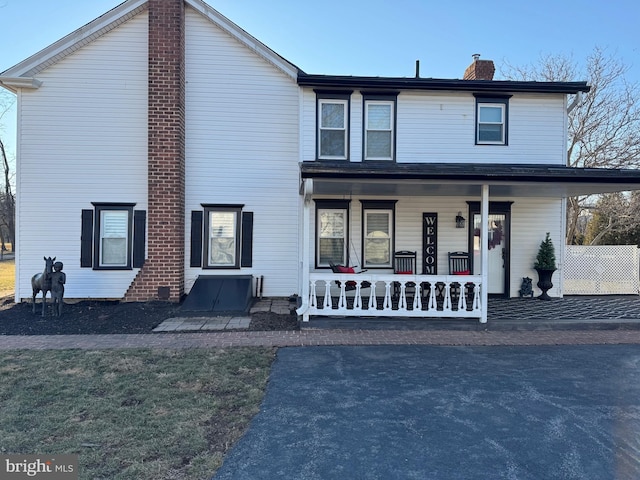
x=545, y=266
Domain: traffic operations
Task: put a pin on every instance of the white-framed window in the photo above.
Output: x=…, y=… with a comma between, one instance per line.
x=333, y=128
x=332, y=236
x=378, y=234
x=222, y=241
x=492, y=120
x=379, y=119
x=114, y=238
x=490, y=123
x=332, y=232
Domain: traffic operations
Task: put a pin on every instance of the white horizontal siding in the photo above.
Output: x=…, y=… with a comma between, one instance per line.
x=439, y=127
x=308, y=117
x=408, y=224
x=243, y=148
x=530, y=220
x=83, y=134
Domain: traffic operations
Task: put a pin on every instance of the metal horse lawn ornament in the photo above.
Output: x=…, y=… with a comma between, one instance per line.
x=41, y=282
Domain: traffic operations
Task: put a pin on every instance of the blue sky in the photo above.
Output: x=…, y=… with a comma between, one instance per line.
x=373, y=37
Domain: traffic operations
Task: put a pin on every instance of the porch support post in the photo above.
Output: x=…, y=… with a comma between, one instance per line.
x=307, y=191
x=484, y=252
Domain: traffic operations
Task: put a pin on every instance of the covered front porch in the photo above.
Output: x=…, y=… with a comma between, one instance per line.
x=537, y=194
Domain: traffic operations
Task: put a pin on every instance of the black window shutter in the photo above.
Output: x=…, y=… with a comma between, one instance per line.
x=86, y=239
x=246, y=255
x=196, y=238
x=139, y=237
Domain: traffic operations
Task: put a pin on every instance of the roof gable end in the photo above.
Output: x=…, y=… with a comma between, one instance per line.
x=76, y=39
x=245, y=38
x=14, y=76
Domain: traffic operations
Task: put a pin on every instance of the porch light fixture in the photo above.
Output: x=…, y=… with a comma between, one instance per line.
x=460, y=221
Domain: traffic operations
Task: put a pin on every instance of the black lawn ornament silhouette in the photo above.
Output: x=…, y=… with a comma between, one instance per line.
x=58, y=279
x=41, y=282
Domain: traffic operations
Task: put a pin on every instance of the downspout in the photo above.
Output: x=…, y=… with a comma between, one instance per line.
x=563, y=250
x=563, y=228
x=307, y=191
x=575, y=102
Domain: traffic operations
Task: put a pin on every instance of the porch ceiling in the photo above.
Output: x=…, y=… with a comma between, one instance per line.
x=398, y=179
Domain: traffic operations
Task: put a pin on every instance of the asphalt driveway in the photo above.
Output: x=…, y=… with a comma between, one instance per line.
x=425, y=412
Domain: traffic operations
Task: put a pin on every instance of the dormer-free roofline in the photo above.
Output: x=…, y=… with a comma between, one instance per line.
x=410, y=83
x=55, y=52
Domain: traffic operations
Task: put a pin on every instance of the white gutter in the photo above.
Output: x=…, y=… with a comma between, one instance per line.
x=15, y=83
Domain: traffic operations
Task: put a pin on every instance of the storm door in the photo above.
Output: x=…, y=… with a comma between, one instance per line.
x=498, y=243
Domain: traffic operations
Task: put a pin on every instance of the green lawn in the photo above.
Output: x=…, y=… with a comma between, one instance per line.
x=131, y=414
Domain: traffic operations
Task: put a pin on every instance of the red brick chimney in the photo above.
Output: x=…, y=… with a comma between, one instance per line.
x=162, y=276
x=479, y=69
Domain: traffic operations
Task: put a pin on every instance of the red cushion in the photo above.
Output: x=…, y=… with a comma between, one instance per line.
x=342, y=269
x=406, y=272
x=463, y=272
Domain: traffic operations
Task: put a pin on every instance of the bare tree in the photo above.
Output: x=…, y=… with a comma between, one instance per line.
x=604, y=124
x=615, y=221
x=7, y=197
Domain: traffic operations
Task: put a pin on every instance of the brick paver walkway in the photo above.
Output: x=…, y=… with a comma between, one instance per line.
x=314, y=337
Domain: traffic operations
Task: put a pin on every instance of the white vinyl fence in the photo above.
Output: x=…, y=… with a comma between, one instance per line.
x=601, y=270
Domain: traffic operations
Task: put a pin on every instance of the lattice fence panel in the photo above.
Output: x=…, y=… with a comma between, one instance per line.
x=601, y=270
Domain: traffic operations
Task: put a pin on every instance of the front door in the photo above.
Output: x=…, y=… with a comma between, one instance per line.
x=498, y=244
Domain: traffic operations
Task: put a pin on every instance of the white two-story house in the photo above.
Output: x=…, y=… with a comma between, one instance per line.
x=161, y=143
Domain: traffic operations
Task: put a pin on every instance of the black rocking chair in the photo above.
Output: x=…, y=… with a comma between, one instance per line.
x=404, y=263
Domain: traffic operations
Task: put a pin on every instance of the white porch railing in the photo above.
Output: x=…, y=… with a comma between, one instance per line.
x=388, y=295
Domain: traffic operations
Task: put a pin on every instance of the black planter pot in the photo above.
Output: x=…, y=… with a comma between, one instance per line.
x=544, y=282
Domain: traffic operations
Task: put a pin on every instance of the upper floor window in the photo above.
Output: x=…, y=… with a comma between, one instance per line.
x=492, y=120
x=333, y=126
x=379, y=127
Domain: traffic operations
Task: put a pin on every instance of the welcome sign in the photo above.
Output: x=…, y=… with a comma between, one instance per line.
x=429, y=243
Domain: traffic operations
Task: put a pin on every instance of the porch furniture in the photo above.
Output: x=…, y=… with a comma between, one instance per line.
x=349, y=284
x=404, y=263
x=459, y=263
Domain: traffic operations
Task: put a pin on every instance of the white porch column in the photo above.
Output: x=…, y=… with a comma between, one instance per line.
x=307, y=188
x=484, y=251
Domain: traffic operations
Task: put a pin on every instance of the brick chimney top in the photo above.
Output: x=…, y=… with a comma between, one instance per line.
x=479, y=69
